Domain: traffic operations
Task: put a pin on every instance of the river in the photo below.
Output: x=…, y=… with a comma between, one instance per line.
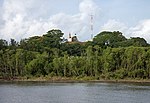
x=43, y=92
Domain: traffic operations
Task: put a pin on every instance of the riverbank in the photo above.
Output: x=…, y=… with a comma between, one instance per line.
x=74, y=80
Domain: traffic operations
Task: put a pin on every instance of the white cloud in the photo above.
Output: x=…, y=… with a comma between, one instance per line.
x=27, y=18
x=114, y=25
x=88, y=7
x=142, y=29
x=23, y=19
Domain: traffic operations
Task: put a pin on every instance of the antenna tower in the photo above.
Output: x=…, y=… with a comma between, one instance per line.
x=91, y=26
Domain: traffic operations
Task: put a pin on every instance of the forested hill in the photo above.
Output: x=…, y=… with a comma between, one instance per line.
x=109, y=56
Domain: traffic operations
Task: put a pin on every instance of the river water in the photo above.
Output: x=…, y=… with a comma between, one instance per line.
x=38, y=92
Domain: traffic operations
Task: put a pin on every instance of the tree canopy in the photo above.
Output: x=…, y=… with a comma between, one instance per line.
x=108, y=38
x=109, y=56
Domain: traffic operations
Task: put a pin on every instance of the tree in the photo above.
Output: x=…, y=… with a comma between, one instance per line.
x=13, y=44
x=73, y=49
x=20, y=61
x=110, y=55
x=3, y=44
x=36, y=66
x=106, y=38
x=137, y=41
x=52, y=39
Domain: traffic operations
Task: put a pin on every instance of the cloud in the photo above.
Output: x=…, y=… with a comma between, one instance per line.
x=114, y=25
x=141, y=30
x=18, y=21
x=23, y=19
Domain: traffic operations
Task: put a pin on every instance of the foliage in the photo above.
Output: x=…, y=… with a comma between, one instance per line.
x=110, y=56
x=108, y=38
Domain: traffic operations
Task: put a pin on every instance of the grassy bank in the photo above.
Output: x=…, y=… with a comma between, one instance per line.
x=76, y=80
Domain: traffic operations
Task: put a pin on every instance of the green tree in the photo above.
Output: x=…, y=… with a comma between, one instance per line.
x=52, y=39
x=3, y=44
x=36, y=66
x=106, y=38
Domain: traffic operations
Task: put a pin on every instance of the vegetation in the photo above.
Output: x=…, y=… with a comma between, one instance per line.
x=109, y=56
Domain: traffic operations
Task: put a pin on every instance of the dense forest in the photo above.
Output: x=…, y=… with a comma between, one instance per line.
x=110, y=55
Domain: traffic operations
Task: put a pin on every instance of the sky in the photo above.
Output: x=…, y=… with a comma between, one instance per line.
x=21, y=19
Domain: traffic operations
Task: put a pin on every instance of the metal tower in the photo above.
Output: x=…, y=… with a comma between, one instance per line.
x=91, y=26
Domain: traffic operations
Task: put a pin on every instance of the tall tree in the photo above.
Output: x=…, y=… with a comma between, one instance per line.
x=52, y=38
x=107, y=38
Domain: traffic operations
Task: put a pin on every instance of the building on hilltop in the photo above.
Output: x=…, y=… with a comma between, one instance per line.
x=72, y=38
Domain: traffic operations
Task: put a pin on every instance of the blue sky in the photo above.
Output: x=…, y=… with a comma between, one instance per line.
x=25, y=18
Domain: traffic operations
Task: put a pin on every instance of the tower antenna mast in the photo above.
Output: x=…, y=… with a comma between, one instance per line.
x=91, y=26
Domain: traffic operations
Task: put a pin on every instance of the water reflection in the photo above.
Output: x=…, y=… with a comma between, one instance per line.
x=44, y=92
